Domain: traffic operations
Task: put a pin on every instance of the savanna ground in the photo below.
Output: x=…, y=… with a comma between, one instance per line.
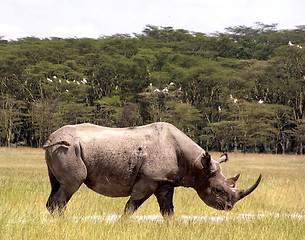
x=276, y=209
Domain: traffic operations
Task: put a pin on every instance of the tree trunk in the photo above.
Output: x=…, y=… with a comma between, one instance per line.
x=235, y=144
x=283, y=147
x=300, y=152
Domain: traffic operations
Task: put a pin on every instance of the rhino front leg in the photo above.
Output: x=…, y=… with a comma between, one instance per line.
x=141, y=191
x=165, y=200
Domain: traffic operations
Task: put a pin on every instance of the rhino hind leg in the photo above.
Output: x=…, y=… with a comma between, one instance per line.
x=58, y=201
x=165, y=200
x=66, y=173
x=55, y=185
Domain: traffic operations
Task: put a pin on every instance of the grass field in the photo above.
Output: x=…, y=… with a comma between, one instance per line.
x=276, y=210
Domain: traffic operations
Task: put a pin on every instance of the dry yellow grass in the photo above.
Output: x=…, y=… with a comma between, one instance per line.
x=25, y=188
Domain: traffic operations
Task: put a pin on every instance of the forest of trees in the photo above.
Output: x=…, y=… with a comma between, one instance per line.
x=240, y=90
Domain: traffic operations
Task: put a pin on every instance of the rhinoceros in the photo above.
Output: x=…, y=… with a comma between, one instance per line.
x=136, y=162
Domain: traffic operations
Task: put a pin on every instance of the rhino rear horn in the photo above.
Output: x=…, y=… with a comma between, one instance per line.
x=244, y=193
x=232, y=181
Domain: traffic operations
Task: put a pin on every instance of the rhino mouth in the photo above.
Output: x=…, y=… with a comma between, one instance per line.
x=219, y=204
x=224, y=206
x=227, y=207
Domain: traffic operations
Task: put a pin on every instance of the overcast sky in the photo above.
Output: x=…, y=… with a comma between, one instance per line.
x=94, y=18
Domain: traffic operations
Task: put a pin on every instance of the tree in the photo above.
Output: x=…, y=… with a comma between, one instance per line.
x=42, y=122
x=293, y=59
x=130, y=116
x=299, y=135
x=11, y=116
x=184, y=116
x=222, y=134
x=108, y=111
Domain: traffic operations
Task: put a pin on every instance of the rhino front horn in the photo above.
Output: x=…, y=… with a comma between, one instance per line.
x=244, y=193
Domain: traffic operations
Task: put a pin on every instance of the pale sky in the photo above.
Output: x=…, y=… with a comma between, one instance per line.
x=95, y=18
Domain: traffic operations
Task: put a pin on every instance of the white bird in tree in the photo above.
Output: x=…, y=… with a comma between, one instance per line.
x=50, y=80
x=157, y=90
x=290, y=43
x=260, y=101
x=165, y=89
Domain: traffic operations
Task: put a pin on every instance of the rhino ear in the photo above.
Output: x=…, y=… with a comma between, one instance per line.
x=206, y=161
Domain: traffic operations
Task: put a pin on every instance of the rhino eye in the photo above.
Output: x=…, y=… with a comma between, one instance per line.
x=216, y=191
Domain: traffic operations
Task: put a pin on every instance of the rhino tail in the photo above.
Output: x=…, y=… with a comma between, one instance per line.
x=49, y=144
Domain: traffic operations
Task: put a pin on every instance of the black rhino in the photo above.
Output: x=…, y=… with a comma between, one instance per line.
x=135, y=162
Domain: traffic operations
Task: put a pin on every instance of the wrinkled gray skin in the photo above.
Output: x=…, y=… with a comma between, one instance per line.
x=135, y=162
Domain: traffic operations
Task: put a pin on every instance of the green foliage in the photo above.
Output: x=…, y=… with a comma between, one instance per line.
x=163, y=74
x=108, y=110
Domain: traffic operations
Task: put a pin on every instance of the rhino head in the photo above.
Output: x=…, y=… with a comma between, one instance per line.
x=216, y=190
